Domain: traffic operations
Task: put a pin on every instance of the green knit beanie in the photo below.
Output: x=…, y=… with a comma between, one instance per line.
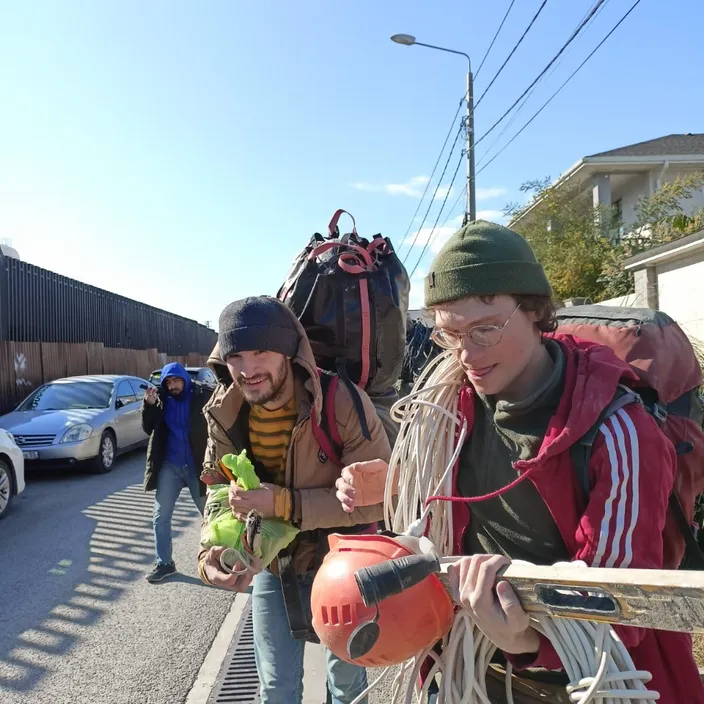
x=484, y=259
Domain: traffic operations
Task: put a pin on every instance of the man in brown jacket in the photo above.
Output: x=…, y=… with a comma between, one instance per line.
x=269, y=389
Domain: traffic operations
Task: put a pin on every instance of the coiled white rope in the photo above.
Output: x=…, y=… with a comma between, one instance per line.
x=596, y=662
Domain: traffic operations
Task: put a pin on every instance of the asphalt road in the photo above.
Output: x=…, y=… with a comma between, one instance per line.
x=78, y=622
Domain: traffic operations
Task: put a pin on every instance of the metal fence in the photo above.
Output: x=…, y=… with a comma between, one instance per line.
x=37, y=305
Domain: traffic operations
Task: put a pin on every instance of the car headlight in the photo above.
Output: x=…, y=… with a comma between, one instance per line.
x=77, y=433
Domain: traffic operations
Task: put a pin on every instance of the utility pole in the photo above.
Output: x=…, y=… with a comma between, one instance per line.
x=471, y=211
x=470, y=214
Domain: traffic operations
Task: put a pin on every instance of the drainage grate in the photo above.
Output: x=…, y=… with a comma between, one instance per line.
x=238, y=682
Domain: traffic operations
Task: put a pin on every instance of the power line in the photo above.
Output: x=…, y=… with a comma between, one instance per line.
x=569, y=78
x=435, y=193
x=513, y=51
x=460, y=195
x=587, y=18
x=427, y=185
x=574, y=35
x=476, y=73
x=523, y=104
x=442, y=207
x=449, y=132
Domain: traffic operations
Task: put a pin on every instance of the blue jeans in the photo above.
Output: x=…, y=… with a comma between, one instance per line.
x=169, y=482
x=280, y=658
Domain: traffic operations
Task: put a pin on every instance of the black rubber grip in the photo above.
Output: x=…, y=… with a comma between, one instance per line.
x=389, y=578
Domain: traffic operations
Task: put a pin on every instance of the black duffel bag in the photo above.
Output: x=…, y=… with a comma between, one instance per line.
x=351, y=296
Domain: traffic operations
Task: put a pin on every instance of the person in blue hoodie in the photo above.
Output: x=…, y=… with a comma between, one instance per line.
x=173, y=418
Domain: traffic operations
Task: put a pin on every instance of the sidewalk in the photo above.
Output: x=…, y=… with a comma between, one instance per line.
x=314, y=677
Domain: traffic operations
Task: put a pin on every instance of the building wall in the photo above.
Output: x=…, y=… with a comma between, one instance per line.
x=644, y=184
x=681, y=292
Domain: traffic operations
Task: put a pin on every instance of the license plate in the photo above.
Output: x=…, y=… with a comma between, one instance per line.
x=31, y=455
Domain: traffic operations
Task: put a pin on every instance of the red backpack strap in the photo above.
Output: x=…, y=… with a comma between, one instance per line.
x=326, y=433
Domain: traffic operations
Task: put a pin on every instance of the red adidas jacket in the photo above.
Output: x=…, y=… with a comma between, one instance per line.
x=632, y=471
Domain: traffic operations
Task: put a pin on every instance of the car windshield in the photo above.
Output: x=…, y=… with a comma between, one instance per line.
x=69, y=395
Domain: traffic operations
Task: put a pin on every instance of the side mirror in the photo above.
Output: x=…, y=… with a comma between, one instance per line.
x=119, y=404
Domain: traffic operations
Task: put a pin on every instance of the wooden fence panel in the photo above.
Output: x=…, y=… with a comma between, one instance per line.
x=143, y=366
x=77, y=359
x=115, y=361
x=94, y=354
x=25, y=369
x=154, y=360
x=54, y=360
x=7, y=377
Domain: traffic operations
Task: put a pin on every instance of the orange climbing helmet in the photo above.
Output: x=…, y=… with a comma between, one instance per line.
x=406, y=623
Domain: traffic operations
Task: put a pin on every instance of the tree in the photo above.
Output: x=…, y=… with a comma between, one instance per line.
x=579, y=245
x=570, y=237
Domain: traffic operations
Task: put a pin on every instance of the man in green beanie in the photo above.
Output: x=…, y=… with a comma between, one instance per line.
x=531, y=395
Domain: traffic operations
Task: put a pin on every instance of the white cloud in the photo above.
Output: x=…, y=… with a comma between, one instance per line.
x=492, y=216
x=489, y=193
x=440, y=235
x=412, y=188
x=416, y=297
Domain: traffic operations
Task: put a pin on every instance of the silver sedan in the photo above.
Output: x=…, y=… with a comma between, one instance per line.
x=82, y=419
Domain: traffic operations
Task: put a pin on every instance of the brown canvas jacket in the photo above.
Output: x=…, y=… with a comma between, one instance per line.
x=308, y=471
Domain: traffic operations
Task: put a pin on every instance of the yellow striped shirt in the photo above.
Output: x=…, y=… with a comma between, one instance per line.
x=270, y=436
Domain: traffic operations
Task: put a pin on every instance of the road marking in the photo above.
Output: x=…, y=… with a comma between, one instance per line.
x=210, y=669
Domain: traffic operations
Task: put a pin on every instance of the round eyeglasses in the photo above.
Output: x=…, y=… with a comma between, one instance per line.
x=480, y=335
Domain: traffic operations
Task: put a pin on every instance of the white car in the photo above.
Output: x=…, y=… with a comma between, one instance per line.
x=11, y=470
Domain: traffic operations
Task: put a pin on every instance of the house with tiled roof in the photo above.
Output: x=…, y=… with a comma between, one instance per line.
x=620, y=177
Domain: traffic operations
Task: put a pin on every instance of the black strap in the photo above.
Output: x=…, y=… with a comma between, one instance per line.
x=298, y=621
x=693, y=558
x=581, y=454
x=356, y=398
x=581, y=451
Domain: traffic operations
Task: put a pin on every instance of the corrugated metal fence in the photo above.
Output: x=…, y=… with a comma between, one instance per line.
x=37, y=305
x=26, y=365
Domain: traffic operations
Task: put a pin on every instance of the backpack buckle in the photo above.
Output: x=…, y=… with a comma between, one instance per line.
x=660, y=412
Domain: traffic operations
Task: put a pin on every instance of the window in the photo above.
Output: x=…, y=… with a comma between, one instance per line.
x=125, y=393
x=139, y=388
x=207, y=377
x=69, y=395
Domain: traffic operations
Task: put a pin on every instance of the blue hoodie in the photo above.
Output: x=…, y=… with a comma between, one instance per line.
x=177, y=412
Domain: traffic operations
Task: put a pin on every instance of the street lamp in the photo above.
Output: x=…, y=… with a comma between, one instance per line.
x=471, y=207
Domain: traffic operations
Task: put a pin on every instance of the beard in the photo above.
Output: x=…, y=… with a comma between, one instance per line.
x=270, y=390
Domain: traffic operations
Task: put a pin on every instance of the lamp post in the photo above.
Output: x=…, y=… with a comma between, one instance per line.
x=471, y=207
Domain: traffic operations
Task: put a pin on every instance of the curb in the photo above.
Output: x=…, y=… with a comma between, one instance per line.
x=210, y=669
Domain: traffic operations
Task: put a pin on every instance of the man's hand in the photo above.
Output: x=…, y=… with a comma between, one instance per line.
x=261, y=500
x=361, y=484
x=151, y=396
x=218, y=577
x=497, y=612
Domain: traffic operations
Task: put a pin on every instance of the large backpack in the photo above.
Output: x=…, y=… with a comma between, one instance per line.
x=668, y=386
x=351, y=296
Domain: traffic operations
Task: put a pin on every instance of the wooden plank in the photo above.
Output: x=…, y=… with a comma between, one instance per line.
x=670, y=600
x=26, y=359
x=7, y=378
x=143, y=367
x=94, y=351
x=54, y=360
x=76, y=359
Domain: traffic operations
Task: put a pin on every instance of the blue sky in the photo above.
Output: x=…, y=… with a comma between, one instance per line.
x=182, y=153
